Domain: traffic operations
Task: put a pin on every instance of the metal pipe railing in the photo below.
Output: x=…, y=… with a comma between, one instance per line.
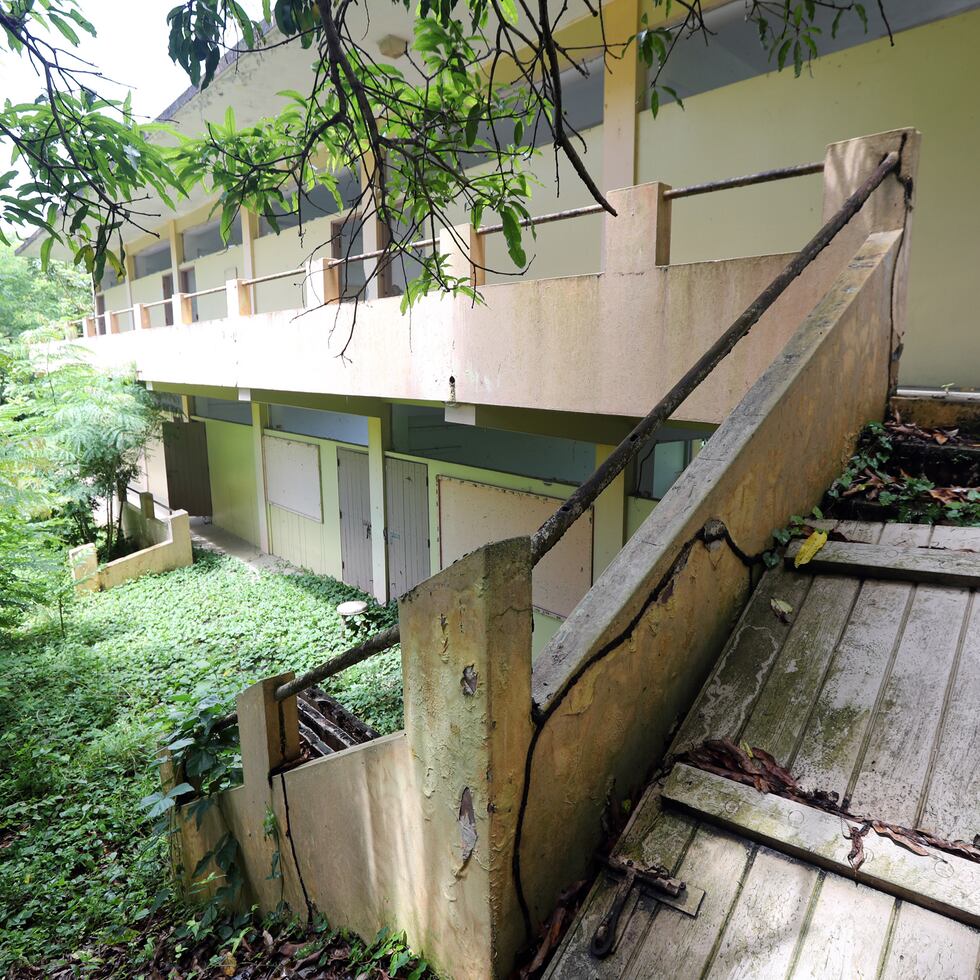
x=550, y=533
x=762, y=177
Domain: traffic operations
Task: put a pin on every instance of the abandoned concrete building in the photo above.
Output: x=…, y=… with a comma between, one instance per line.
x=545, y=685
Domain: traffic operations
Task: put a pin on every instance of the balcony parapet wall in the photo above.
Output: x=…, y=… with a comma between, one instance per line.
x=607, y=344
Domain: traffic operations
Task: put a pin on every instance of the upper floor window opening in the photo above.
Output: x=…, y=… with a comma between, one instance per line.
x=316, y=203
x=156, y=258
x=205, y=239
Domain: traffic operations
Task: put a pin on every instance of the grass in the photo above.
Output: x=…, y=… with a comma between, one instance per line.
x=81, y=712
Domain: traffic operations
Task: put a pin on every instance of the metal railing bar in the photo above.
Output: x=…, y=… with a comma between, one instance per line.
x=550, y=533
x=269, y=277
x=545, y=219
x=762, y=177
x=204, y=292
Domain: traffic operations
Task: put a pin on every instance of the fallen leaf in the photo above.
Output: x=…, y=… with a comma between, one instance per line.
x=228, y=965
x=903, y=840
x=856, y=836
x=782, y=609
x=809, y=548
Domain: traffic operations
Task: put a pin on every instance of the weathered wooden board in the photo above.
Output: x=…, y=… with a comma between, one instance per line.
x=895, y=562
x=952, y=807
x=892, y=776
x=846, y=934
x=727, y=699
x=653, y=837
x=924, y=944
x=784, y=706
x=940, y=882
x=677, y=945
x=835, y=735
x=762, y=932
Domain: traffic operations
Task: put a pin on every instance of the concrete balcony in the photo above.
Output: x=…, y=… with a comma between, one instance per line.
x=607, y=344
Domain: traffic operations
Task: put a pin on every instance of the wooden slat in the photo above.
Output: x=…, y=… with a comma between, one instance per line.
x=924, y=944
x=895, y=562
x=728, y=696
x=764, y=927
x=893, y=773
x=906, y=535
x=784, y=706
x=677, y=945
x=653, y=837
x=962, y=538
x=846, y=933
x=952, y=807
x=835, y=734
x=940, y=882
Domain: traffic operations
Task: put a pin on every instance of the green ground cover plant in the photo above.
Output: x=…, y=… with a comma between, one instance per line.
x=85, y=701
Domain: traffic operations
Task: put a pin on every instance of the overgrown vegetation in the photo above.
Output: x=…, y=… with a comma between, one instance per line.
x=82, y=707
x=891, y=477
x=32, y=297
x=70, y=436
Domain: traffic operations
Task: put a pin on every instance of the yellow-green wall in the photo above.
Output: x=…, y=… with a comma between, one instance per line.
x=929, y=80
x=234, y=499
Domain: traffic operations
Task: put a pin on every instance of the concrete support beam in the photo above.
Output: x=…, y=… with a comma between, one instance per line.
x=622, y=91
x=112, y=322
x=90, y=327
x=466, y=649
x=260, y=421
x=608, y=518
x=379, y=437
x=141, y=317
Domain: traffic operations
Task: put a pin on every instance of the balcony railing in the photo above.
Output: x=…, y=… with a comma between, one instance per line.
x=322, y=276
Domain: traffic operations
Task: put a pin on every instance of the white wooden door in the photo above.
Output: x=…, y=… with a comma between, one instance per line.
x=355, y=519
x=407, y=502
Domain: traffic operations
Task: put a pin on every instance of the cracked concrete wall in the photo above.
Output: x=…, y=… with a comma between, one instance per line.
x=655, y=621
x=414, y=830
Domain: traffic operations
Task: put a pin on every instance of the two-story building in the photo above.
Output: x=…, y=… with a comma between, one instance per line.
x=380, y=450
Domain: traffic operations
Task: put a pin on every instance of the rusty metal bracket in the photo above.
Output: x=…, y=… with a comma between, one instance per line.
x=657, y=883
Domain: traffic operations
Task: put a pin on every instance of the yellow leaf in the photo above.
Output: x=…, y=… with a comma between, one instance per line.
x=809, y=548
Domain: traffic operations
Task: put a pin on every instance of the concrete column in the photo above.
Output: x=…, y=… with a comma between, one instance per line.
x=141, y=317
x=622, y=89
x=379, y=437
x=83, y=563
x=639, y=237
x=250, y=231
x=90, y=327
x=846, y=165
x=147, y=506
x=183, y=308
x=608, y=518
x=322, y=283
x=269, y=730
x=238, y=296
x=465, y=254
x=466, y=653
x=129, y=264
x=260, y=421
x=112, y=322
x=372, y=232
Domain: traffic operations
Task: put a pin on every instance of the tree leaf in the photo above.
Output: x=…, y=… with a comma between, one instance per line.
x=809, y=548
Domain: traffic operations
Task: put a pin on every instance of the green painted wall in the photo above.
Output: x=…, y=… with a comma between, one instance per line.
x=928, y=80
x=304, y=542
x=233, y=489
